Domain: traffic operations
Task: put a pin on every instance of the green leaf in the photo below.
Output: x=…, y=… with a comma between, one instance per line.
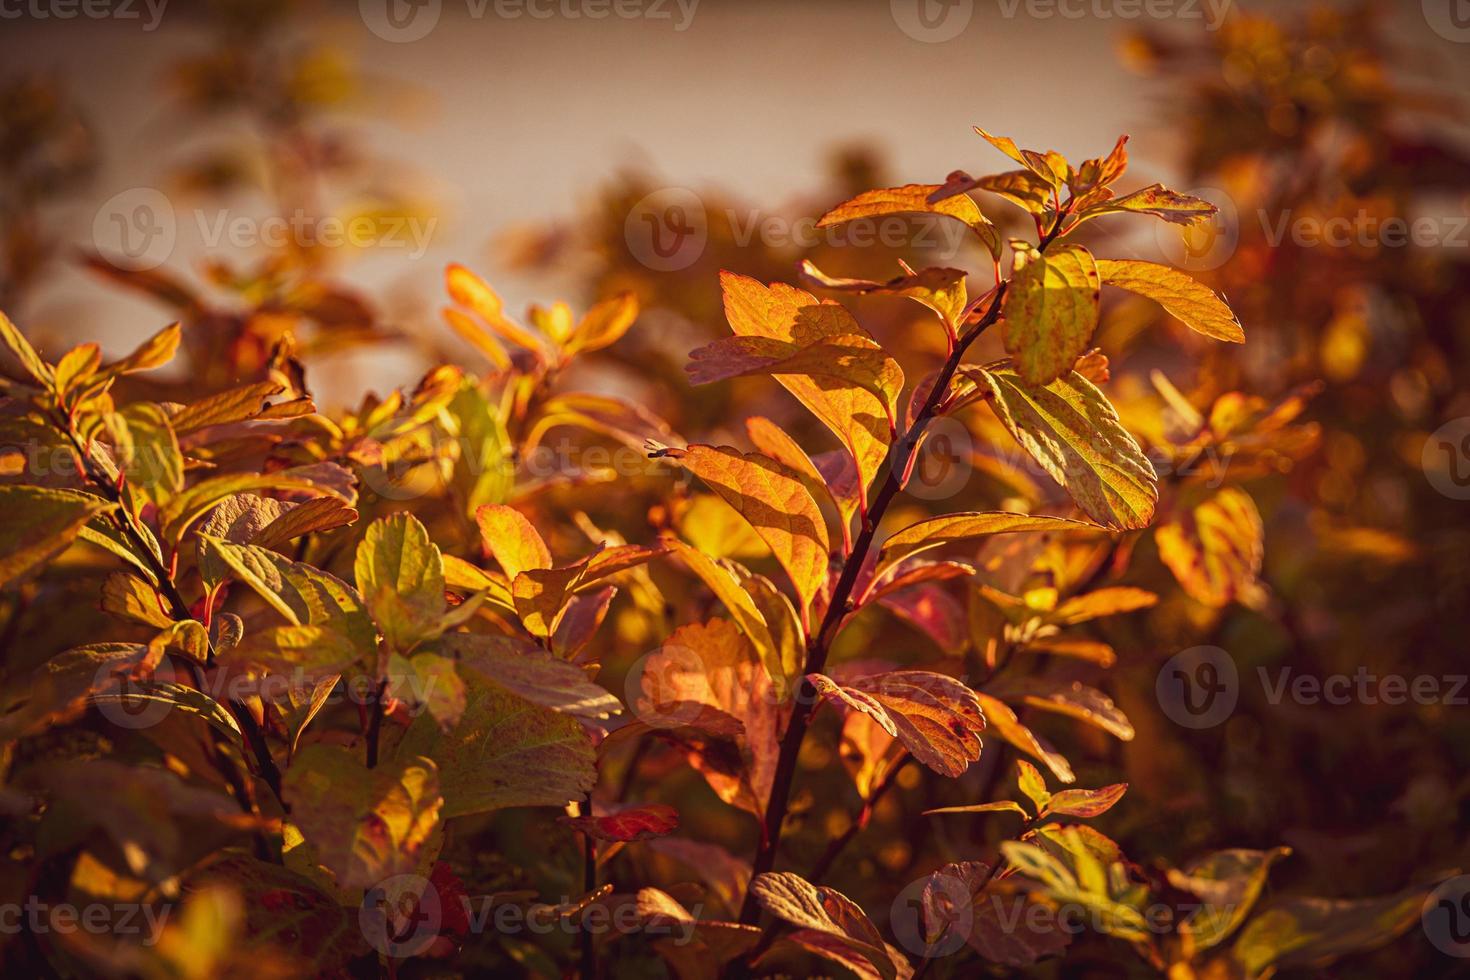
x=1051, y=310
x=364, y=824
x=484, y=471
x=1073, y=432
x=1192, y=303
x=153, y=463
x=1033, y=785
x=39, y=524
x=1312, y=931
x=505, y=751
x=306, y=596
x=401, y=577
x=1228, y=883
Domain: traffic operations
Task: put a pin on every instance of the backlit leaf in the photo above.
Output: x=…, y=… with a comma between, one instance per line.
x=39, y=524
x=774, y=502
x=1228, y=883
x=829, y=913
x=941, y=290
x=401, y=578
x=531, y=673
x=914, y=199
x=1216, y=547
x=364, y=824
x=1086, y=803
x=1159, y=201
x=1074, y=434
x=1051, y=310
x=1074, y=700
x=857, y=417
x=1003, y=722
x=1313, y=931
x=505, y=751
x=631, y=823
x=511, y=539
x=1191, y=302
x=937, y=717
x=966, y=527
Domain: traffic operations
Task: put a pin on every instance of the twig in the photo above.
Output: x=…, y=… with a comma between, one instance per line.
x=589, y=885
x=840, y=842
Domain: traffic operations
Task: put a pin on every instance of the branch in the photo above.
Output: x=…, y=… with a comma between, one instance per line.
x=897, y=462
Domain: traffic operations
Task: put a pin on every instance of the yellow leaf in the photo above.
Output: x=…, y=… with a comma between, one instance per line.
x=970, y=526
x=603, y=324
x=936, y=717
x=1073, y=432
x=469, y=290
x=1159, y=201
x=1051, y=310
x=848, y=359
x=1215, y=549
x=914, y=199
x=478, y=337
x=855, y=416
x=1192, y=303
x=941, y=290
x=775, y=503
x=512, y=539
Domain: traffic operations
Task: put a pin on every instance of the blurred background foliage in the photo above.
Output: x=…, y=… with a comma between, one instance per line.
x=1314, y=114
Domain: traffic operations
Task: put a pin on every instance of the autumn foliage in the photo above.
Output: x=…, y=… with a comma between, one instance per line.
x=797, y=612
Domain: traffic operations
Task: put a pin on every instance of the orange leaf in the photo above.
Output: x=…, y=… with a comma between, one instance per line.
x=854, y=415
x=937, y=717
x=512, y=539
x=775, y=503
